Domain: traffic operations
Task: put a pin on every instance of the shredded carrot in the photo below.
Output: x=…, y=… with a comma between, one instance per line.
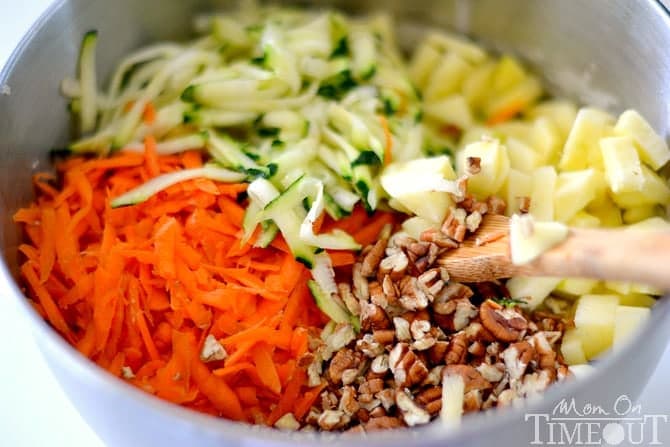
x=506, y=113
x=149, y=113
x=142, y=286
x=151, y=156
x=388, y=140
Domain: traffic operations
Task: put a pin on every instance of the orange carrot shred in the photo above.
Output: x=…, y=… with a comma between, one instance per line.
x=388, y=140
x=506, y=113
x=149, y=113
x=142, y=286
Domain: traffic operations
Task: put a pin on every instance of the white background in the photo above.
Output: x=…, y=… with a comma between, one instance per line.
x=33, y=409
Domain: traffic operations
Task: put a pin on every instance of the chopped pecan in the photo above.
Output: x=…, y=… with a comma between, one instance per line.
x=407, y=368
x=212, y=350
x=477, y=349
x=373, y=317
x=349, y=376
x=360, y=283
x=371, y=386
x=472, y=401
x=430, y=399
x=380, y=364
x=395, y=265
x=434, y=376
x=373, y=258
x=472, y=379
x=412, y=296
x=524, y=204
x=362, y=415
x=491, y=373
x=348, y=402
x=328, y=400
x=452, y=291
x=438, y=238
x=377, y=296
x=412, y=413
x=382, y=423
x=384, y=336
x=431, y=283
x=387, y=398
x=517, y=356
x=378, y=410
x=333, y=419
x=458, y=349
x=437, y=352
x=344, y=359
x=402, y=331
x=496, y=205
x=348, y=298
x=535, y=383
x=546, y=355
x=473, y=165
x=369, y=346
x=473, y=221
x=505, y=324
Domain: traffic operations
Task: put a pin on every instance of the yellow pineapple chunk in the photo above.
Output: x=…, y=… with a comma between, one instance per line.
x=653, y=149
x=589, y=127
x=629, y=321
x=571, y=348
x=623, y=169
x=595, y=316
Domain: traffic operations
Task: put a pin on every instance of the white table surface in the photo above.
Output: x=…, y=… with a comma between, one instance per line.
x=33, y=409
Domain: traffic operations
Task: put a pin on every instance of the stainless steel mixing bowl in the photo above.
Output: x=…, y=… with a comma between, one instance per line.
x=605, y=52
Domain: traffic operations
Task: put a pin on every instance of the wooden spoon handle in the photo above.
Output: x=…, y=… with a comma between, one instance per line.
x=619, y=255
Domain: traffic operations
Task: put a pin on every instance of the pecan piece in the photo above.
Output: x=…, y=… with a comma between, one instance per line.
x=517, y=357
x=430, y=399
x=407, y=368
x=373, y=258
x=473, y=165
x=472, y=379
x=373, y=317
x=458, y=349
x=472, y=401
x=496, y=205
x=382, y=423
x=344, y=359
x=412, y=413
x=505, y=324
x=395, y=265
x=333, y=419
x=412, y=296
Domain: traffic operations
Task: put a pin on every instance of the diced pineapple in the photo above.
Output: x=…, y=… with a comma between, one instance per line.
x=571, y=348
x=607, y=212
x=547, y=140
x=655, y=190
x=560, y=112
x=508, y=73
x=447, y=77
x=475, y=134
x=521, y=156
x=584, y=220
x=532, y=289
x=577, y=286
x=529, y=239
x=637, y=300
x=424, y=61
x=453, y=109
x=517, y=129
x=574, y=190
x=518, y=98
x=416, y=225
x=494, y=164
x=465, y=48
x=621, y=287
x=594, y=319
x=581, y=371
x=653, y=149
x=393, y=203
x=589, y=127
x=542, y=196
x=640, y=213
x=628, y=322
x=518, y=185
x=476, y=87
x=623, y=170
x=416, y=185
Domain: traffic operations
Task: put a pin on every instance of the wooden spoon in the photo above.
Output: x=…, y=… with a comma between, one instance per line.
x=619, y=255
